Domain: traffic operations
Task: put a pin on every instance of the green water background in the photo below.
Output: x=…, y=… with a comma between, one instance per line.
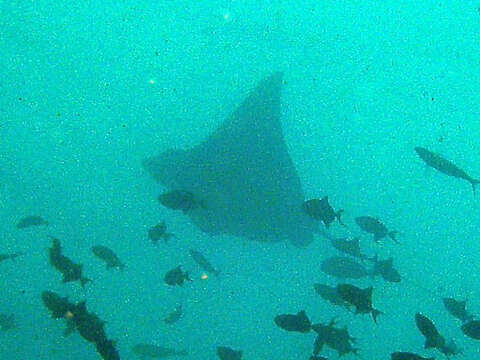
x=87, y=90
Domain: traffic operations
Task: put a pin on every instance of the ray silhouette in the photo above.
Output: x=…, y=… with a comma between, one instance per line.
x=243, y=174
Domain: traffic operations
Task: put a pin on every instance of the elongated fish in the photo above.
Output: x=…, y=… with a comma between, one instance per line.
x=203, y=262
x=344, y=268
x=445, y=166
x=12, y=256
x=108, y=256
x=29, y=221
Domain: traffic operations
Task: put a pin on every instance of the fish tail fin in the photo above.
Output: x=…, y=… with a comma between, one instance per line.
x=392, y=235
x=375, y=314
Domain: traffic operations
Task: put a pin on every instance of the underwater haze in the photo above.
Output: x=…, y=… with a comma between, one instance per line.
x=88, y=90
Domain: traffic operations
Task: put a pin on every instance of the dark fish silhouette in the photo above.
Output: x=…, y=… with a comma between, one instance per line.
x=457, y=309
x=226, y=353
x=445, y=166
x=60, y=308
x=174, y=316
x=159, y=232
x=244, y=172
x=385, y=269
x=360, y=298
x=344, y=268
x=321, y=210
x=203, y=262
x=88, y=324
x=376, y=227
x=92, y=329
x=7, y=322
x=176, y=277
x=330, y=294
x=349, y=247
x=12, y=256
x=107, y=350
x=289, y=322
x=472, y=329
x=29, y=221
x=433, y=339
x=145, y=351
x=408, y=356
x=338, y=339
x=108, y=256
x=180, y=200
x=70, y=270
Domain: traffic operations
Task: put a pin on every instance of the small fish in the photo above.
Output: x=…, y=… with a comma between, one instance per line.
x=174, y=316
x=360, y=298
x=289, y=322
x=321, y=210
x=376, y=227
x=12, y=256
x=108, y=256
x=226, y=353
x=344, y=268
x=176, y=277
x=349, y=247
x=203, y=262
x=58, y=306
x=144, y=351
x=445, y=166
x=180, y=200
x=159, y=232
x=70, y=270
x=30, y=221
x=472, y=329
x=338, y=339
x=433, y=339
x=386, y=270
x=408, y=356
x=7, y=322
x=330, y=294
x=457, y=309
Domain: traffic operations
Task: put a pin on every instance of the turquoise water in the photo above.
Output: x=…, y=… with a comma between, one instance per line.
x=88, y=90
